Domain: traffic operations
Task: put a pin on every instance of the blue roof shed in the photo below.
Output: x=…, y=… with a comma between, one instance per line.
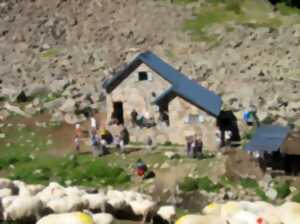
x=267, y=138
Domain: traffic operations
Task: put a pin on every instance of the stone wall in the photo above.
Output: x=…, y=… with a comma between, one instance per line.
x=137, y=94
x=179, y=111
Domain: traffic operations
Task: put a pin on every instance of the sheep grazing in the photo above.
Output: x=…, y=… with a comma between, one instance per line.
x=143, y=207
x=164, y=215
x=67, y=204
x=53, y=190
x=24, y=207
x=5, y=192
x=5, y=183
x=103, y=218
x=67, y=218
x=199, y=219
x=96, y=202
x=289, y=213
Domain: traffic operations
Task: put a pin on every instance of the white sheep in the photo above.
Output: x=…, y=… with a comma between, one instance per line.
x=5, y=192
x=34, y=189
x=52, y=191
x=116, y=199
x=67, y=204
x=70, y=191
x=96, y=201
x=5, y=183
x=67, y=218
x=289, y=213
x=103, y=218
x=167, y=213
x=22, y=187
x=199, y=219
x=143, y=207
x=6, y=201
x=22, y=207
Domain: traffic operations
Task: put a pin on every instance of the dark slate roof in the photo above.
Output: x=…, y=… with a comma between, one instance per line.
x=166, y=96
x=267, y=138
x=181, y=85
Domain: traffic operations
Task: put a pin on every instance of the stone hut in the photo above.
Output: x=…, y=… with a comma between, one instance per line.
x=178, y=105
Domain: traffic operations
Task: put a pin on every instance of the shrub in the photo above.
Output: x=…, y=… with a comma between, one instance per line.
x=207, y=185
x=260, y=193
x=249, y=183
x=189, y=184
x=234, y=5
x=283, y=189
x=296, y=197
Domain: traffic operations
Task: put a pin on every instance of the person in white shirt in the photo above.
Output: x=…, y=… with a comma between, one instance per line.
x=93, y=125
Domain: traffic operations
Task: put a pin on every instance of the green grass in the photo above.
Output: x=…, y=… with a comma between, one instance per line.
x=296, y=197
x=254, y=13
x=286, y=10
x=248, y=183
x=50, y=53
x=203, y=183
x=25, y=156
x=283, y=189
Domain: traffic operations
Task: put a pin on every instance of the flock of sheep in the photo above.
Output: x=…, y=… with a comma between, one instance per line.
x=55, y=204
x=244, y=212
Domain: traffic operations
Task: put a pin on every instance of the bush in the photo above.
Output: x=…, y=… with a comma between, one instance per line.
x=260, y=193
x=203, y=183
x=207, y=185
x=234, y=5
x=249, y=183
x=189, y=184
x=283, y=189
x=296, y=197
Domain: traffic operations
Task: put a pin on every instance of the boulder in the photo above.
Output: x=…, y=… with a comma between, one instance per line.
x=74, y=119
x=15, y=109
x=37, y=89
x=57, y=117
x=54, y=104
x=58, y=85
x=68, y=106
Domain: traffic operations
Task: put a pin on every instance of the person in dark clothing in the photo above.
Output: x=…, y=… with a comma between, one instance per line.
x=189, y=150
x=198, y=147
x=134, y=116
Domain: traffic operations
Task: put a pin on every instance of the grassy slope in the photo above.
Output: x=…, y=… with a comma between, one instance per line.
x=257, y=13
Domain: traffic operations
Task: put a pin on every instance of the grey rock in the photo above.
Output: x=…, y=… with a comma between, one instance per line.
x=54, y=104
x=15, y=109
x=37, y=89
x=73, y=119
x=68, y=106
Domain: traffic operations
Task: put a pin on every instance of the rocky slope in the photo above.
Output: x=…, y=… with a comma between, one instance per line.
x=46, y=46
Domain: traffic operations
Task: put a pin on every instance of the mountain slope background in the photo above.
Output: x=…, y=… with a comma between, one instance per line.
x=247, y=51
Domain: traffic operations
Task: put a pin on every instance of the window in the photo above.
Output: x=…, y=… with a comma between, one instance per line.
x=194, y=119
x=144, y=76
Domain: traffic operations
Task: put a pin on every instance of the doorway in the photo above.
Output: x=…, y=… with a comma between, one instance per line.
x=118, y=113
x=164, y=113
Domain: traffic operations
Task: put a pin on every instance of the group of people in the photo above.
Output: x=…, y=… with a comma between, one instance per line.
x=194, y=146
x=100, y=138
x=141, y=120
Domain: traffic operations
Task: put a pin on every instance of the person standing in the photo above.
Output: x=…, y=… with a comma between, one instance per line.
x=198, y=151
x=93, y=125
x=77, y=143
x=134, y=116
x=189, y=141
